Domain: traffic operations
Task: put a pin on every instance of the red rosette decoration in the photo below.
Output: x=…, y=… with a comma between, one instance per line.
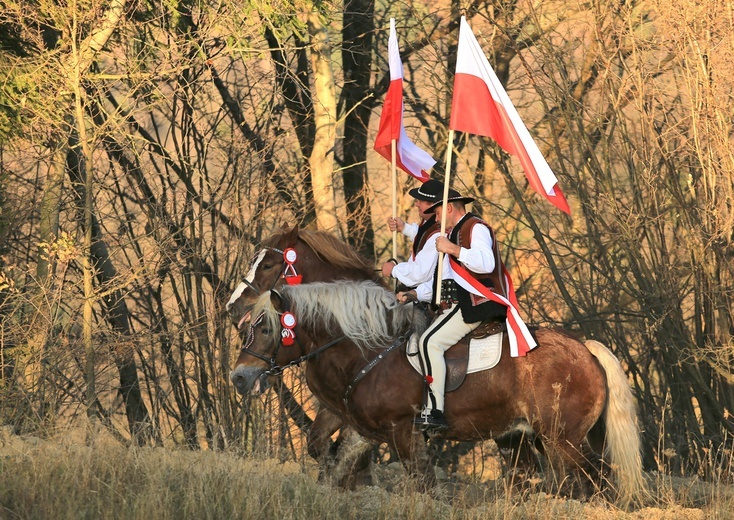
x=289, y=274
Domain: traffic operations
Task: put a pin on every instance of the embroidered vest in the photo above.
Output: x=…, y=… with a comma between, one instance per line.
x=477, y=308
x=427, y=229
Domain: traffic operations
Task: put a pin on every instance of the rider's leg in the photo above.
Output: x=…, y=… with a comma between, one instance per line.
x=443, y=333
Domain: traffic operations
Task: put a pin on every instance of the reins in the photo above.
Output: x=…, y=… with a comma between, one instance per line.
x=276, y=370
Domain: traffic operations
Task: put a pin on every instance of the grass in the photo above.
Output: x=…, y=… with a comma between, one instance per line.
x=68, y=478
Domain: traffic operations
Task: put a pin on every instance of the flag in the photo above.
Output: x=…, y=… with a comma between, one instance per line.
x=410, y=158
x=481, y=106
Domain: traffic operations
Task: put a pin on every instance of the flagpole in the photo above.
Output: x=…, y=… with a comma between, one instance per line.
x=394, y=198
x=446, y=183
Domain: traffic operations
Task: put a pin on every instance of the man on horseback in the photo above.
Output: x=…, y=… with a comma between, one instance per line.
x=472, y=257
x=422, y=263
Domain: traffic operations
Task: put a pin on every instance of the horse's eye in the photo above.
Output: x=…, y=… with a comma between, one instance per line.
x=265, y=331
x=267, y=267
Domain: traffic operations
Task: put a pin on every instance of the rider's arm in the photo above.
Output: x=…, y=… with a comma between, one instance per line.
x=410, y=230
x=424, y=292
x=421, y=268
x=479, y=257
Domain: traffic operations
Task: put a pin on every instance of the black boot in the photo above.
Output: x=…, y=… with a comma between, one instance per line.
x=434, y=421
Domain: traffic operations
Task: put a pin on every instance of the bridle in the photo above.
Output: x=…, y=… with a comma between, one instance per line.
x=276, y=369
x=282, y=271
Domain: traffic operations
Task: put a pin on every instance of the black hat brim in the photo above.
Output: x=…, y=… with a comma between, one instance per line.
x=465, y=200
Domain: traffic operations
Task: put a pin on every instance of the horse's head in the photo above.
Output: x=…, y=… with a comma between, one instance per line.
x=266, y=272
x=266, y=349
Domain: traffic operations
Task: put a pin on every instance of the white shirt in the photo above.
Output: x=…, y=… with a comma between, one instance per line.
x=410, y=231
x=420, y=268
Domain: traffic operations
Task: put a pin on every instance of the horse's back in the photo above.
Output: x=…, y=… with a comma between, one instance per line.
x=559, y=379
x=566, y=380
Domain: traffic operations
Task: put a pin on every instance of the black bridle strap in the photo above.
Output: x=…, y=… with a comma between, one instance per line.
x=276, y=370
x=248, y=284
x=397, y=343
x=285, y=264
x=252, y=287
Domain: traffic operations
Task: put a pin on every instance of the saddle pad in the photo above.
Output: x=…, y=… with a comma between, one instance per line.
x=484, y=353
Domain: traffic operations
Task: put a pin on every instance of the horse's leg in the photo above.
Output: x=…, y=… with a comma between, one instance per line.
x=318, y=440
x=352, y=466
x=575, y=467
x=411, y=447
x=519, y=454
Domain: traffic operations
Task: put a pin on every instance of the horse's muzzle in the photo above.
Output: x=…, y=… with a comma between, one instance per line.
x=249, y=380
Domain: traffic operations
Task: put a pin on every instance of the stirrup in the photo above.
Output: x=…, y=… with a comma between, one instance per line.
x=433, y=421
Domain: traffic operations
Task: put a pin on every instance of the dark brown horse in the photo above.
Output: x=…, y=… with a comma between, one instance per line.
x=319, y=257
x=574, y=396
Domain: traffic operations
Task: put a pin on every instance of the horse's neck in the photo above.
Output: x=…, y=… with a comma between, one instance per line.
x=320, y=268
x=338, y=363
x=325, y=272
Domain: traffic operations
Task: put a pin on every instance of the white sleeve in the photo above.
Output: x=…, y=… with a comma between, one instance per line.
x=410, y=231
x=480, y=256
x=424, y=292
x=421, y=268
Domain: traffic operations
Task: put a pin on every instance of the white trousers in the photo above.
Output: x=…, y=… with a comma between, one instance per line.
x=443, y=334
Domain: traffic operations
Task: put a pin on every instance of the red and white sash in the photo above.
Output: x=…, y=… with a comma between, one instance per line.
x=521, y=341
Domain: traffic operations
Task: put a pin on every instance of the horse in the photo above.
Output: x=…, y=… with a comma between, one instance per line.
x=319, y=256
x=574, y=396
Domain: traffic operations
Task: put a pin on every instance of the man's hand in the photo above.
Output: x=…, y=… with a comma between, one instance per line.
x=444, y=245
x=395, y=224
x=387, y=268
x=406, y=296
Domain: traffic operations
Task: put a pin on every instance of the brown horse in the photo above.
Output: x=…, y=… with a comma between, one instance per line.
x=319, y=257
x=575, y=397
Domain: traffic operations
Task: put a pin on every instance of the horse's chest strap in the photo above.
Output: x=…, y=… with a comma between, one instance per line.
x=350, y=388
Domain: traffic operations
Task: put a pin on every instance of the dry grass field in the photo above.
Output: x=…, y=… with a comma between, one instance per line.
x=78, y=475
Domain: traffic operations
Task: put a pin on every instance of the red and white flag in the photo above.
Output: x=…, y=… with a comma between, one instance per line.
x=410, y=158
x=481, y=106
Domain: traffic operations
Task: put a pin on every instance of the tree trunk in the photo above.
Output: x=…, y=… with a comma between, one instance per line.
x=321, y=160
x=357, y=61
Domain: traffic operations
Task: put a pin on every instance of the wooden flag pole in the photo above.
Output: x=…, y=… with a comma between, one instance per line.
x=394, y=198
x=446, y=183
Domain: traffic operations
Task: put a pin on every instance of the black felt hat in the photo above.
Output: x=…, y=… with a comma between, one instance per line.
x=454, y=196
x=429, y=191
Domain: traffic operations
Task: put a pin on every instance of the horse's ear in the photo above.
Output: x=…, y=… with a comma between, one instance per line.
x=290, y=237
x=277, y=300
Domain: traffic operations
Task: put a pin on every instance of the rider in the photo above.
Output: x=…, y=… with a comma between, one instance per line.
x=422, y=263
x=470, y=243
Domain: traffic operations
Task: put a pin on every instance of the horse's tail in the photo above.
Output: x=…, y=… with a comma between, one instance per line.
x=622, y=436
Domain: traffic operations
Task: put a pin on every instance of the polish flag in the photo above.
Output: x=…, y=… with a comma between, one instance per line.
x=410, y=158
x=481, y=106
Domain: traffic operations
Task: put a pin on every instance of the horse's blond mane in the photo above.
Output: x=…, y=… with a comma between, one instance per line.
x=366, y=313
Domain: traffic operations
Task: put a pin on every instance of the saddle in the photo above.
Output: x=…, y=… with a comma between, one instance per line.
x=457, y=357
